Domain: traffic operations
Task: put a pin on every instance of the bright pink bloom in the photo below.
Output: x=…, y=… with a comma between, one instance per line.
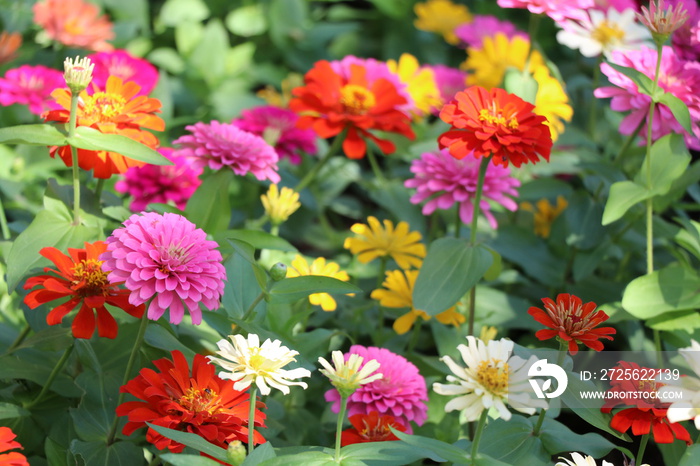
x=167, y=258
x=31, y=86
x=558, y=10
x=161, y=183
x=679, y=77
x=449, y=81
x=619, y=5
x=225, y=145
x=686, y=40
x=401, y=392
x=278, y=127
x=472, y=34
x=445, y=180
x=122, y=64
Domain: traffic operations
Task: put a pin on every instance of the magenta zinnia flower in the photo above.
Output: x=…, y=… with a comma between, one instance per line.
x=278, y=127
x=558, y=10
x=445, y=180
x=161, y=183
x=167, y=258
x=122, y=64
x=225, y=145
x=31, y=86
x=472, y=34
x=401, y=392
x=676, y=76
x=686, y=40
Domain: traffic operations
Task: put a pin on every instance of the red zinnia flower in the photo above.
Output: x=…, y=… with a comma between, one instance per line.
x=370, y=428
x=7, y=443
x=330, y=103
x=495, y=123
x=572, y=321
x=198, y=402
x=652, y=420
x=80, y=277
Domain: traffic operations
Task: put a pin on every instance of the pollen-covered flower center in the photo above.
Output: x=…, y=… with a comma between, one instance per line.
x=493, y=375
x=357, y=99
x=198, y=401
x=495, y=117
x=607, y=33
x=376, y=433
x=88, y=274
x=103, y=107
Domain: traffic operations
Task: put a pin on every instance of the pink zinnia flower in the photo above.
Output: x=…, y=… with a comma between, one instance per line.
x=161, y=183
x=225, y=145
x=445, y=180
x=619, y=5
x=278, y=127
x=686, y=40
x=122, y=64
x=449, y=81
x=74, y=23
x=679, y=77
x=401, y=392
x=31, y=86
x=472, y=34
x=167, y=258
x=558, y=10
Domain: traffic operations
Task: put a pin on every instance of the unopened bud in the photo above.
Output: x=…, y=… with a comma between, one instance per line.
x=278, y=271
x=235, y=453
x=78, y=74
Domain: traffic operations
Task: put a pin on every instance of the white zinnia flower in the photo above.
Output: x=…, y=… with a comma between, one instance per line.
x=684, y=389
x=246, y=362
x=580, y=460
x=492, y=379
x=348, y=375
x=604, y=32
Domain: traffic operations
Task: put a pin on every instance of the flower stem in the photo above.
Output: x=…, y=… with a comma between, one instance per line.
x=251, y=418
x=311, y=174
x=3, y=223
x=54, y=373
x=339, y=426
x=18, y=341
x=628, y=142
x=477, y=435
x=376, y=169
x=458, y=222
x=540, y=421
x=98, y=189
x=472, y=234
x=250, y=309
x=129, y=365
x=72, y=123
x=642, y=447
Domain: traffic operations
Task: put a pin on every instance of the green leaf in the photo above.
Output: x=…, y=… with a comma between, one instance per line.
x=691, y=456
x=174, y=12
x=671, y=289
x=247, y=21
x=450, y=269
x=645, y=85
x=521, y=83
x=669, y=160
x=188, y=460
x=679, y=109
x=242, y=288
x=191, y=440
x=261, y=453
x=50, y=339
x=93, y=416
x=10, y=411
x=257, y=238
x=623, y=195
x=303, y=458
x=558, y=438
x=496, y=267
x=92, y=139
x=512, y=442
x=439, y=451
x=299, y=287
x=159, y=337
x=385, y=453
x=56, y=454
x=117, y=454
x=209, y=206
x=37, y=135
x=683, y=320
x=207, y=56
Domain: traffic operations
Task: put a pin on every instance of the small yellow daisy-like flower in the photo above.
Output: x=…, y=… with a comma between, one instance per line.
x=398, y=293
x=487, y=333
x=279, y=205
x=420, y=83
x=300, y=267
x=441, y=16
x=551, y=101
x=281, y=99
x=545, y=213
x=348, y=375
x=373, y=240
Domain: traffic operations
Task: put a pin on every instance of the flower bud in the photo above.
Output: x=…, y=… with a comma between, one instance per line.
x=278, y=271
x=78, y=74
x=235, y=453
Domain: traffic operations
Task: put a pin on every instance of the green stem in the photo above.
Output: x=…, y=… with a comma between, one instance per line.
x=458, y=222
x=72, y=123
x=642, y=447
x=563, y=349
x=628, y=142
x=414, y=336
x=339, y=426
x=311, y=174
x=592, y=112
x=540, y=421
x=477, y=435
x=376, y=169
x=127, y=373
x=251, y=418
x=18, y=341
x=249, y=311
x=98, y=189
x=3, y=223
x=54, y=373
x=647, y=162
x=472, y=235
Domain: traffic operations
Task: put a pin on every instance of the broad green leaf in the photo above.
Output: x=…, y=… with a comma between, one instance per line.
x=521, y=83
x=671, y=289
x=260, y=453
x=299, y=287
x=449, y=270
x=207, y=56
x=257, y=238
x=496, y=266
x=209, y=206
x=159, y=337
x=558, y=438
x=439, y=451
x=92, y=139
x=303, y=458
x=512, y=442
x=11, y=411
x=689, y=237
x=241, y=289
x=691, y=456
x=385, y=453
x=520, y=245
x=644, y=83
x=50, y=339
x=669, y=160
x=679, y=109
x=287, y=21
x=56, y=454
x=623, y=195
x=247, y=21
x=94, y=415
x=117, y=454
x=684, y=320
x=174, y=12
x=188, y=460
x=191, y=440
x=37, y=135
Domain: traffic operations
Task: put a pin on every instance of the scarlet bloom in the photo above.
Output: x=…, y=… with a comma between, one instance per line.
x=198, y=402
x=7, y=442
x=74, y=23
x=81, y=279
x=572, y=321
x=115, y=110
x=370, y=428
x=330, y=103
x=495, y=123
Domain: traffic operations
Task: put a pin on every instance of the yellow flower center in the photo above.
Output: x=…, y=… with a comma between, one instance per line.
x=494, y=117
x=493, y=375
x=256, y=360
x=89, y=272
x=607, y=33
x=198, y=401
x=357, y=99
x=103, y=107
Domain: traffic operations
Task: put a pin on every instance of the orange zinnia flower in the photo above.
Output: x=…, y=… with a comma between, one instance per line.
x=572, y=321
x=7, y=443
x=81, y=279
x=198, y=402
x=371, y=428
x=495, y=123
x=75, y=23
x=116, y=110
x=9, y=43
x=329, y=103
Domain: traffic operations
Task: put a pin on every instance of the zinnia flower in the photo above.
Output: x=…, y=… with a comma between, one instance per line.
x=225, y=145
x=161, y=183
x=492, y=378
x=398, y=293
x=580, y=460
x=420, y=84
x=551, y=101
x=571, y=320
x=247, y=362
x=278, y=127
x=348, y=375
x=9, y=43
x=401, y=392
x=116, y=110
x=373, y=241
x=279, y=205
x=443, y=181
x=545, y=214
x=663, y=19
x=122, y=64
x=74, y=23
x=686, y=39
x=558, y=10
x=330, y=103
x=81, y=279
x=495, y=123
x=198, y=402
x=472, y=34
x=7, y=442
x=301, y=268
x=449, y=81
x=167, y=258
x=684, y=389
x=31, y=86
x=370, y=428
x=442, y=17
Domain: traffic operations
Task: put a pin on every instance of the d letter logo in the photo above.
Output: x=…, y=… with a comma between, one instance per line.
x=544, y=369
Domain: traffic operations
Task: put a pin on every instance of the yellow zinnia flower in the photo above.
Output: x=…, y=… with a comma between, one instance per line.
x=551, y=101
x=441, y=16
x=420, y=83
x=398, y=293
x=280, y=205
x=374, y=241
x=545, y=213
x=322, y=268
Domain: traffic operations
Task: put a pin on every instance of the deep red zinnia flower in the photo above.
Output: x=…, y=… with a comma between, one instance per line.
x=81, y=279
x=572, y=321
x=198, y=402
x=643, y=421
x=7, y=442
x=330, y=103
x=495, y=123
x=370, y=428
